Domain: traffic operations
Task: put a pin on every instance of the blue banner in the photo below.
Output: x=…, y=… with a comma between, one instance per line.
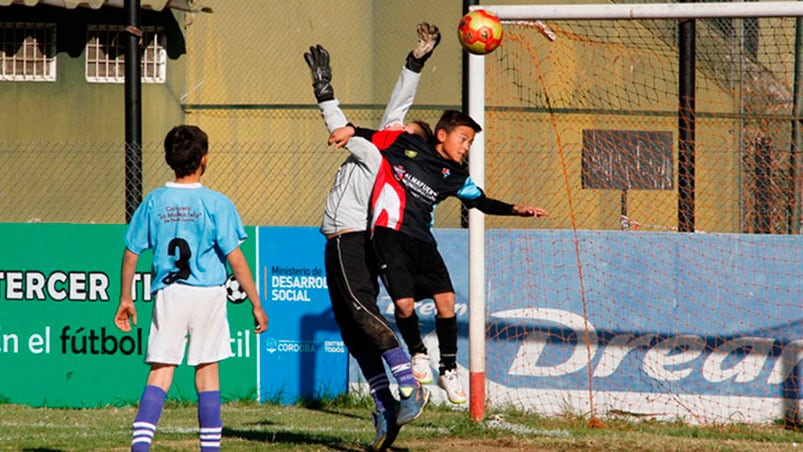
x=301, y=355
x=666, y=324
x=704, y=314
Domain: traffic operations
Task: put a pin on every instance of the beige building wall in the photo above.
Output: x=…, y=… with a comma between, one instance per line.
x=62, y=144
x=243, y=79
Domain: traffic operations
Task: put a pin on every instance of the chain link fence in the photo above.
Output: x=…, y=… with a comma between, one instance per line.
x=243, y=80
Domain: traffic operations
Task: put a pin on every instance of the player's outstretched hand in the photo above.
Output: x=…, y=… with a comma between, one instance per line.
x=530, y=211
x=428, y=38
x=260, y=319
x=318, y=61
x=125, y=312
x=340, y=136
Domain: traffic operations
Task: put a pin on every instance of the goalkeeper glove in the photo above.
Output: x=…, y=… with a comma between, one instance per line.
x=318, y=61
x=428, y=38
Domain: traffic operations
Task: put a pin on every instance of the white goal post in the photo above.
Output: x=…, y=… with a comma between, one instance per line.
x=476, y=109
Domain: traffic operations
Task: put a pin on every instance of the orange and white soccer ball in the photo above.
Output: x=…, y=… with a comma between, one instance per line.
x=480, y=32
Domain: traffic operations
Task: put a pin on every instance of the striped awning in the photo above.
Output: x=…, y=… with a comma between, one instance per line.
x=156, y=5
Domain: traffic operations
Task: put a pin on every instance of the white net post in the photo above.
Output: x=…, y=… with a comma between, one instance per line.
x=476, y=247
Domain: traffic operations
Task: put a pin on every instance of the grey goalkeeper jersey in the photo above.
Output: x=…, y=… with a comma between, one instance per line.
x=349, y=199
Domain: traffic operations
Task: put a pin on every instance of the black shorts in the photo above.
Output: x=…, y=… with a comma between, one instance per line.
x=353, y=287
x=409, y=267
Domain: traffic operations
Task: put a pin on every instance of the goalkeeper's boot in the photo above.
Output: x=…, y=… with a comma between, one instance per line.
x=421, y=368
x=413, y=401
x=450, y=382
x=386, y=429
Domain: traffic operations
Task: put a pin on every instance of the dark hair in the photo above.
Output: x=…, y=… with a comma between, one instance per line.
x=184, y=147
x=429, y=136
x=450, y=119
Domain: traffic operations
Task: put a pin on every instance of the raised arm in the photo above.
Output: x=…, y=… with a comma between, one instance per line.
x=362, y=149
x=404, y=92
x=318, y=61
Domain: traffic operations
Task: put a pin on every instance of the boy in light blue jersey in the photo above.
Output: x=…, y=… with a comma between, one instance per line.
x=192, y=231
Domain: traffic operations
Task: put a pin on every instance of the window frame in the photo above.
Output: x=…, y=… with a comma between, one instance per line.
x=153, y=57
x=43, y=63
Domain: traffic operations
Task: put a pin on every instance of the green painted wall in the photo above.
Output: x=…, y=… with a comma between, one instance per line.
x=74, y=110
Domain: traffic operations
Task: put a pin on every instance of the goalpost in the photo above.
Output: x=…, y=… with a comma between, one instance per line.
x=663, y=101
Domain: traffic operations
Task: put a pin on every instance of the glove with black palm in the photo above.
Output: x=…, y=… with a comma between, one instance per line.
x=318, y=61
x=428, y=38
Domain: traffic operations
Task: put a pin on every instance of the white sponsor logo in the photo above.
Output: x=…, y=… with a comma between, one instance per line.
x=741, y=359
x=289, y=346
x=334, y=347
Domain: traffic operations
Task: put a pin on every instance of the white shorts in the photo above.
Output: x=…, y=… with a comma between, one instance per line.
x=198, y=313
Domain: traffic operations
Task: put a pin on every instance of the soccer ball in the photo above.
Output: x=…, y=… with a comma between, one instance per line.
x=480, y=32
x=234, y=292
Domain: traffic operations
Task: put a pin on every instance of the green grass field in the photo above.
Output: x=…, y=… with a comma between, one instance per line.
x=344, y=425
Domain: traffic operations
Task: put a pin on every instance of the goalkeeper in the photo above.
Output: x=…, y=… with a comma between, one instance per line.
x=351, y=273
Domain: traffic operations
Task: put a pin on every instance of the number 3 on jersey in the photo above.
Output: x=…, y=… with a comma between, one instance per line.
x=179, y=249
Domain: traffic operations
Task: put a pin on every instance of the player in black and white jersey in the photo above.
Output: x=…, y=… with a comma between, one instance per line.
x=414, y=177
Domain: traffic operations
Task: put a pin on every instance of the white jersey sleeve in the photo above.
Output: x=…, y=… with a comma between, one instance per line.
x=401, y=99
x=362, y=149
x=332, y=114
x=348, y=202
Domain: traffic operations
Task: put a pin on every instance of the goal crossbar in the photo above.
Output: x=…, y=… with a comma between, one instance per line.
x=646, y=11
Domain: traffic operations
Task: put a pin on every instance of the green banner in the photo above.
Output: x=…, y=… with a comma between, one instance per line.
x=59, y=289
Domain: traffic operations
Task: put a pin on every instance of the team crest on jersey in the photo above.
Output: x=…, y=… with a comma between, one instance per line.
x=411, y=154
x=399, y=171
x=445, y=172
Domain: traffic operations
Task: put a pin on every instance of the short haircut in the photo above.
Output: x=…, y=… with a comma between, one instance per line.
x=185, y=146
x=450, y=119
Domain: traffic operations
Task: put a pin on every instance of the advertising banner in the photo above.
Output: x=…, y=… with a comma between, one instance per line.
x=302, y=355
x=693, y=327
x=59, y=290
x=658, y=328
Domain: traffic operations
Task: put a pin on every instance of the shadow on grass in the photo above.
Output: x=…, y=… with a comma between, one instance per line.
x=281, y=437
x=334, y=411
x=341, y=406
x=261, y=423
x=41, y=449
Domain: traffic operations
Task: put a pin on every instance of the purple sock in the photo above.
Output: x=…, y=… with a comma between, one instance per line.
x=373, y=369
x=380, y=392
x=400, y=367
x=209, y=420
x=150, y=408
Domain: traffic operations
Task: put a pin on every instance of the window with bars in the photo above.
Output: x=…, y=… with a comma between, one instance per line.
x=105, y=55
x=28, y=52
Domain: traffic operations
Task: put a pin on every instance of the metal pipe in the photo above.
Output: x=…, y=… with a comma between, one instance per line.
x=133, y=110
x=796, y=171
x=686, y=124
